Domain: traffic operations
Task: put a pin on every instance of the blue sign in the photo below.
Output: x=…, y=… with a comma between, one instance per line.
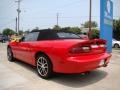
x=106, y=22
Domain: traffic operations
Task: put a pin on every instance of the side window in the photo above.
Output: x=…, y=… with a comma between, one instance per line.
x=31, y=37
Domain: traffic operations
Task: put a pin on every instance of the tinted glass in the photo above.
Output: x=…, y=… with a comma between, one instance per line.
x=47, y=35
x=67, y=35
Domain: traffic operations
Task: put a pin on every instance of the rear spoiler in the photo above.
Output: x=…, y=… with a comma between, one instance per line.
x=96, y=41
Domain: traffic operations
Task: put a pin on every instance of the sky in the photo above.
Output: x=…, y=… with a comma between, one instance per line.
x=42, y=13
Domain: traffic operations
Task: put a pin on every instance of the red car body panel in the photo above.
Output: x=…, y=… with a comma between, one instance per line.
x=58, y=52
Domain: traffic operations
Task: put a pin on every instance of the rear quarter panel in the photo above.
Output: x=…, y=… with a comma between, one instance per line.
x=56, y=50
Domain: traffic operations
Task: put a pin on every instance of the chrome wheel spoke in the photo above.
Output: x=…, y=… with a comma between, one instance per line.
x=45, y=71
x=39, y=64
x=42, y=61
x=46, y=67
x=40, y=70
x=39, y=60
x=45, y=64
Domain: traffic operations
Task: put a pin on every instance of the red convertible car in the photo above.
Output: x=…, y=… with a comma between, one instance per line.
x=59, y=51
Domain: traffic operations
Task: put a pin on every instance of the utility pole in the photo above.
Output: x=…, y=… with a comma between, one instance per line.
x=16, y=24
x=19, y=11
x=57, y=19
x=90, y=14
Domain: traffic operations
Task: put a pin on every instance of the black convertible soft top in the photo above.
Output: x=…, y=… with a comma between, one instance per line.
x=50, y=34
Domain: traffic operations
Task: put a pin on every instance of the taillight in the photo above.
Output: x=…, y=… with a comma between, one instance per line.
x=102, y=45
x=80, y=49
x=92, y=46
x=98, y=46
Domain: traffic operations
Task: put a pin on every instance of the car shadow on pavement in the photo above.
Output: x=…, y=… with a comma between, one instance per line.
x=71, y=80
x=26, y=66
x=80, y=80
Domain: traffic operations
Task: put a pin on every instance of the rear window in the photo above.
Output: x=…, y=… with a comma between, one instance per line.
x=67, y=35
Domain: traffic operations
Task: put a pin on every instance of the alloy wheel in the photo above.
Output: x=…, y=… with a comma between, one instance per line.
x=10, y=55
x=42, y=66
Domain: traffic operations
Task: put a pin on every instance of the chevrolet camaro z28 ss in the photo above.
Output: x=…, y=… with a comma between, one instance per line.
x=59, y=51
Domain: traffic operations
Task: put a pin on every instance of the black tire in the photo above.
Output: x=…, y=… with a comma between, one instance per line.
x=44, y=66
x=10, y=55
x=116, y=46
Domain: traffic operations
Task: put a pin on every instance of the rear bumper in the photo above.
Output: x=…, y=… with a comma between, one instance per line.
x=82, y=63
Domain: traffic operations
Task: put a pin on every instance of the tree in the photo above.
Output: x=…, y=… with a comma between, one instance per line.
x=93, y=24
x=56, y=27
x=116, y=29
x=75, y=30
x=95, y=33
x=36, y=28
x=27, y=31
x=21, y=32
x=8, y=31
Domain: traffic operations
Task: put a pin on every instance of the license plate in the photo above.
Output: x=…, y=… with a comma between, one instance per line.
x=102, y=62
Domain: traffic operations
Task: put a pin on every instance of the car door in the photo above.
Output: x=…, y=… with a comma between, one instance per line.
x=25, y=47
